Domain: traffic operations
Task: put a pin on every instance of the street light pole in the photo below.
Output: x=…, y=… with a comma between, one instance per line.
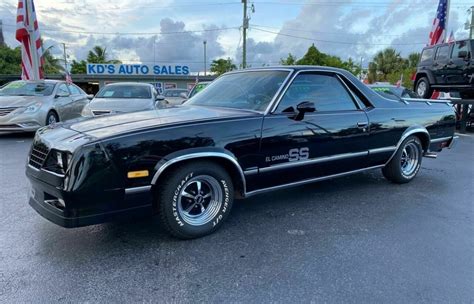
x=205, y=57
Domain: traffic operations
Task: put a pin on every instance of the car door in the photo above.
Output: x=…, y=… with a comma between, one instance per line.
x=63, y=102
x=440, y=63
x=79, y=99
x=331, y=140
x=458, y=66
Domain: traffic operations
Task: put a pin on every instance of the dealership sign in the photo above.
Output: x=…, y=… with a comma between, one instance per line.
x=136, y=69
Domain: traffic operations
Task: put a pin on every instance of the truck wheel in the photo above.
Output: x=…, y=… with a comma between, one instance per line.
x=423, y=88
x=406, y=162
x=51, y=118
x=194, y=199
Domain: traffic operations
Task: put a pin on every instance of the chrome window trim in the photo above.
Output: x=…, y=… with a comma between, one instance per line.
x=135, y=190
x=307, y=181
x=337, y=73
x=355, y=99
x=172, y=161
x=317, y=160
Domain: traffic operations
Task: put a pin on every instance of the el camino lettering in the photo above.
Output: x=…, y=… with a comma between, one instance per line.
x=295, y=154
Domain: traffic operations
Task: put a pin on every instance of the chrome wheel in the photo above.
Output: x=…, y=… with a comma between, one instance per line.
x=410, y=159
x=200, y=200
x=421, y=88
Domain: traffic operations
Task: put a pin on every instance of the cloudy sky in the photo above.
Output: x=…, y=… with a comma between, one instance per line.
x=173, y=31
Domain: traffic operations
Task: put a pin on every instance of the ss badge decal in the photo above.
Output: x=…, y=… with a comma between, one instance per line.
x=298, y=154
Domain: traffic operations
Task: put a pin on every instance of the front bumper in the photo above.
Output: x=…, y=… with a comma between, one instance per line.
x=22, y=122
x=66, y=209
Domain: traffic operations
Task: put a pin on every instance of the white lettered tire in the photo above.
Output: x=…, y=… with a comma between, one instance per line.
x=194, y=199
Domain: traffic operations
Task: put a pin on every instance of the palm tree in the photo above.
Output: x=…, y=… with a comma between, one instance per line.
x=51, y=65
x=388, y=61
x=98, y=54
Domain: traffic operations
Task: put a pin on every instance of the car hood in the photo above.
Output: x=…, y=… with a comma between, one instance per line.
x=18, y=101
x=120, y=104
x=112, y=125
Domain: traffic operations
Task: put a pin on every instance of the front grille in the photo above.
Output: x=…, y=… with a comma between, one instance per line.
x=6, y=111
x=100, y=112
x=38, y=155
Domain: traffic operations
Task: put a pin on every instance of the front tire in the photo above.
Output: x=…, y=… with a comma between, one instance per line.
x=51, y=118
x=406, y=162
x=423, y=88
x=194, y=199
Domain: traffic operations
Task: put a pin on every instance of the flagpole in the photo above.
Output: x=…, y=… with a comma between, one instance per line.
x=32, y=44
x=447, y=21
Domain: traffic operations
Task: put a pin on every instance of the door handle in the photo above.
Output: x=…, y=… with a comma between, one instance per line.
x=362, y=125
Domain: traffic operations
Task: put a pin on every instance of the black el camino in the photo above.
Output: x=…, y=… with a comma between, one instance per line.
x=248, y=132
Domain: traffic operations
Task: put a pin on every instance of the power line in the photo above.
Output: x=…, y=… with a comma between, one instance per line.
x=319, y=32
x=332, y=41
x=132, y=33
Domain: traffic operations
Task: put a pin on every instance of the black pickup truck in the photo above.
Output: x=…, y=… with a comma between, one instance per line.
x=248, y=132
x=447, y=67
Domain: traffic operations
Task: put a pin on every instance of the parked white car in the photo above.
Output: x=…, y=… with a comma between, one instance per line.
x=27, y=105
x=123, y=97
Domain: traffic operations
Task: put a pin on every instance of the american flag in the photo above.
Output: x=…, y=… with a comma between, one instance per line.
x=438, y=32
x=23, y=30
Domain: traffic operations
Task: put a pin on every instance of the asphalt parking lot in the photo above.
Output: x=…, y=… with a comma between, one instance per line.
x=353, y=239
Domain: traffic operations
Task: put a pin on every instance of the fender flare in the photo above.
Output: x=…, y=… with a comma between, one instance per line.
x=428, y=74
x=196, y=153
x=410, y=131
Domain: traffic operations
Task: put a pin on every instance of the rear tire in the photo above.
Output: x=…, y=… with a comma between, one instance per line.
x=194, y=199
x=406, y=162
x=51, y=118
x=423, y=88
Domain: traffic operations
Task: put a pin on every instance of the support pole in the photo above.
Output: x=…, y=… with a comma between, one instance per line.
x=33, y=51
x=245, y=25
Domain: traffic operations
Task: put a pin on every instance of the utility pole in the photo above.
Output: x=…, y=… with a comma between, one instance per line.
x=65, y=58
x=471, y=28
x=205, y=57
x=245, y=26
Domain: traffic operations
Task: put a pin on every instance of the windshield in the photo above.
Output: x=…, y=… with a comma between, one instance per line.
x=251, y=90
x=23, y=88
x=125, y=91
x=387, y=92
x=197, y=88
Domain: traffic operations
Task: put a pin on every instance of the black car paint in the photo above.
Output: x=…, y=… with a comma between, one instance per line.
x=449, y=74
x=96, y=187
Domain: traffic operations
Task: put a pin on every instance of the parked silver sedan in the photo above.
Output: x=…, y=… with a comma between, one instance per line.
x=175, y=96
x=123, y=97
x=28, y=105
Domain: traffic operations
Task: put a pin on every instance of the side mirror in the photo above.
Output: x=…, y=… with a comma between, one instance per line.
x=183, y=95
x=462, y=54
x=304, y=107
x=159, y=97
x=90, y=96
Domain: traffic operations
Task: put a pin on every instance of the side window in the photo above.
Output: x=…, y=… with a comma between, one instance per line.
x=62, y=90
x=74, y=90
x=459, y=46
x=426, y=55
x=442, y=53
x=326, y=91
